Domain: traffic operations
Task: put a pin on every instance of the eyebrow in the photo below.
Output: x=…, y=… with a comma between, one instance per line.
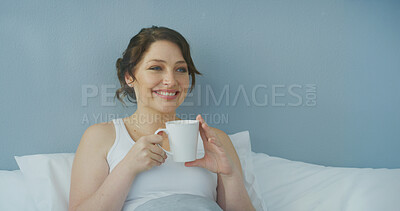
x=160, y=60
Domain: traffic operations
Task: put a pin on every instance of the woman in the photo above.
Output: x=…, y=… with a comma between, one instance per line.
x=118, y=165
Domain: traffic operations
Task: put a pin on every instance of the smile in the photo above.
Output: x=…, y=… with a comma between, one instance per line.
x=166, y=95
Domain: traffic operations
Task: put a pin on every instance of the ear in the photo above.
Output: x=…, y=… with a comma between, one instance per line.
x=128, y=79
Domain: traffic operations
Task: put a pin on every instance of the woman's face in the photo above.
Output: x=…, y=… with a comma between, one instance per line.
x=162, y=78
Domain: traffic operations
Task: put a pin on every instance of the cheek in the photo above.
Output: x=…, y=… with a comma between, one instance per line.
x=184, y=82
x=144, y=86
x=149, y=83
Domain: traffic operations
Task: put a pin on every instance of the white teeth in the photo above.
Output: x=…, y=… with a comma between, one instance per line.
x=167, y=93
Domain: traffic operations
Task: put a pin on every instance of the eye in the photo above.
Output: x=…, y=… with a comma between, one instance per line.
x=155, y=68
x=182, y=70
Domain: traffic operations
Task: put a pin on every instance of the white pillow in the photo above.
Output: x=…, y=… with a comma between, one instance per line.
x=13, y=192
x=294, y=185
x=47, y=176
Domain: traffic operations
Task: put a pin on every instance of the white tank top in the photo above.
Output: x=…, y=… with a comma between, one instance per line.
x=167, y=179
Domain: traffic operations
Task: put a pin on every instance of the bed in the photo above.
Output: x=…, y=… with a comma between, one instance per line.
x=273, y=183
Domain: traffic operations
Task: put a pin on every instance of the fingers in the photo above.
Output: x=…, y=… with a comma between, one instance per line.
x=205, y=131
x=196, y=163
x=214, y=141
x=204, y=125
x=149, y=143
x=153, y=139
x=156, y=163
x=147, y=153
x=201, y=129
x=207, y=134
x=157, y=150
x=157, y=157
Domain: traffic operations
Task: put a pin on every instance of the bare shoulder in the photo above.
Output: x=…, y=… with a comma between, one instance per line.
x=90, y=167
x=99, y=136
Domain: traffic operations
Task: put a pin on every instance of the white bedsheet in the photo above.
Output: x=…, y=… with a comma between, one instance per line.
x=290, y=185
x=13, y=193
x=284, y=184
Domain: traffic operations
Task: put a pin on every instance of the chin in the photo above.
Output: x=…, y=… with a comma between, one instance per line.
x=167, y=107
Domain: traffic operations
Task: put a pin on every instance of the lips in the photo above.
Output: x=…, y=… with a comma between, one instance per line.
x=167, y=93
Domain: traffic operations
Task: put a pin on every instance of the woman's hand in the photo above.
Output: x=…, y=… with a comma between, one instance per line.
x=145, y=154
x=216, y=158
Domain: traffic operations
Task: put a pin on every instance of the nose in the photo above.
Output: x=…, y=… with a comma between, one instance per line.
x=169, y=79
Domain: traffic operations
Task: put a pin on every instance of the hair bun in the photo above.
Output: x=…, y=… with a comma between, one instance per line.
x=118, y=64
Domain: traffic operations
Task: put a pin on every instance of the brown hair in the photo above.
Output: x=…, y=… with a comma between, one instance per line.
x=136, y=49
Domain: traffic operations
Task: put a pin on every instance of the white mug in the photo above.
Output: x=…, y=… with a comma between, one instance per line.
x=183, y=137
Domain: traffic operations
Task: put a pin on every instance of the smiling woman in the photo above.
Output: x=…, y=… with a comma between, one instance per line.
x=120, y=164
x=160, y=83
x=136, y=50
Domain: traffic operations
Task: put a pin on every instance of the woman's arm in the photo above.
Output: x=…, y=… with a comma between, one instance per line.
x=92, y=188
x=231, y=192
x=220, y=157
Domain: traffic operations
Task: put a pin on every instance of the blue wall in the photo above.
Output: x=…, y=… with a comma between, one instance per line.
x=329, y=70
